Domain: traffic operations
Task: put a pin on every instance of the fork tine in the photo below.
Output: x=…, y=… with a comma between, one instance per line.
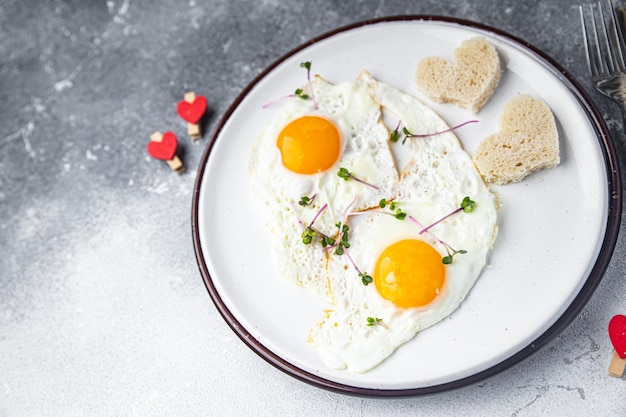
x=613, y=41
x=603, y=37
x=605, y=49
x=581, y=11
x=592, y=52
x=618, y=37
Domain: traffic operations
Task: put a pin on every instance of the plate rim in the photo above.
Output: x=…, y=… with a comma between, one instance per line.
x=613, y=222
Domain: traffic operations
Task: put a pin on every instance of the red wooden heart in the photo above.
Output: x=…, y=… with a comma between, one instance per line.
x=192, y=112
x=617, y=333
x=165, y=149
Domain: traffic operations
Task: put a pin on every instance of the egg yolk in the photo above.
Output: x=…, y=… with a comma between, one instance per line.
x=309, y=145
x=409, y=273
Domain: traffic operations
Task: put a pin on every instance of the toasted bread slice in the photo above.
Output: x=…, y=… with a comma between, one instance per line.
x=468, y=81
x=526, y=142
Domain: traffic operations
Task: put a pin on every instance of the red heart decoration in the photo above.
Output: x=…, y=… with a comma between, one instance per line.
x=617, y=333
x=166, y=149
x=192, y=112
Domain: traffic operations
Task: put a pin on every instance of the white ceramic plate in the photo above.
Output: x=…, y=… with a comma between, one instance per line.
x=557, y=227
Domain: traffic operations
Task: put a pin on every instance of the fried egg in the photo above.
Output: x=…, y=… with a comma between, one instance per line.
x=299, y=153
x=412, y=288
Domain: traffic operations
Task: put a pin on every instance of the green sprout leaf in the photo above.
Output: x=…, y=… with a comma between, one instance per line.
x=307, y=235
x=467, y=204
x=306, y=200
x=300, y=93
x=394, y=136
x=344, y=173
x=375, y=321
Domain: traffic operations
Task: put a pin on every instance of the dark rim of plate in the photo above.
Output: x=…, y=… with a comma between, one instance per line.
x=599, y=268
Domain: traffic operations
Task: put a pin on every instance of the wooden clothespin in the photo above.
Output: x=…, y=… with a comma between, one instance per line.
x=163, y=147
x=191, y=109
x=617, y=334
x=616, y=367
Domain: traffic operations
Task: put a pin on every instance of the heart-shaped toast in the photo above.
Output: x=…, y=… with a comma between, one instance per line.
x=526, y=142
x=468, y=81
x=617, y=334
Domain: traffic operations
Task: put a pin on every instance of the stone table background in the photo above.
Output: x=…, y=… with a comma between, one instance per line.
x=102, y=308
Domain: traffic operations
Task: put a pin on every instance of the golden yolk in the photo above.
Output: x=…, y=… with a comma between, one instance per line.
x=309, y=145
x=409, y=273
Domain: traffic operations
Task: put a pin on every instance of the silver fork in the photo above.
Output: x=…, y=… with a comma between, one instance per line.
x=604, y=47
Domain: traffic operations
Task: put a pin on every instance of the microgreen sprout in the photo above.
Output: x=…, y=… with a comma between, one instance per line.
x=395, y=134
x=347, y=175
x=466, y=206
x=343, y=240
x=306, y=200
x=307, y=66
x=449, y=249
x=366, y=279
x=309, y=232
x=299, y=91
x=399, y=214
x=383, y=203
x=375, y=321
x=451, y=252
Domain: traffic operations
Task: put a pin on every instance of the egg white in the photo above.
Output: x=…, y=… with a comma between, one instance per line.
x=439, y=175
x=364, y=152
